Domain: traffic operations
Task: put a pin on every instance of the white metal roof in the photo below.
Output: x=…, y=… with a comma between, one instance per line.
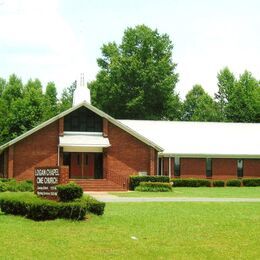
x=201, y=139
x=84, y=140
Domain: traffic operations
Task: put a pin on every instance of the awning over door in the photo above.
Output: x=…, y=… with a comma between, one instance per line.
x=83, y=143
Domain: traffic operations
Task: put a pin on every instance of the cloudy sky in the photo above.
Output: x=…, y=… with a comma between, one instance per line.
x=57, y=40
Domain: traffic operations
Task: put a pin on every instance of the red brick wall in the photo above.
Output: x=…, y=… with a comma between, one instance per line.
x=37, y=150
x=127, y=155
x=193, y=167
x=252, y=168
x=224, y=168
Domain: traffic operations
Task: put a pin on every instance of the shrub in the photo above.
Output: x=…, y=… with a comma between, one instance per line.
x=191, y=183
x=94, y=206
x=24, y=186
x=72, y=210
x=218, y=183
x=40, y=209
x=13, y=185
x=154, y=186
x=13, y=206
x=251, y=182
x=5, y=180
x=69, y=192
x=233, y=183
x=135, y=180
x=3, y=187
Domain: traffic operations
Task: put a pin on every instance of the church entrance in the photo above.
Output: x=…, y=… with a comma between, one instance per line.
x=84, y=165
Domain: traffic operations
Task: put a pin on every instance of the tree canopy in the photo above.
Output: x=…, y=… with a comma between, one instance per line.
x=199, y=106
x=23, y=107
x=238, y=98
x=137, y=77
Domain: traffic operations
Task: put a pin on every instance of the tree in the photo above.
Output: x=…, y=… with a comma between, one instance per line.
x=243, y=105
x=22, y=108
x=199, y=106
x=2, y=86
x=226, y=85
x=50, y=101
x=67, y=97
x=137, y=78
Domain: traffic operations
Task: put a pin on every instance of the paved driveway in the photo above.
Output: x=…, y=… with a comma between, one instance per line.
x=106, y=197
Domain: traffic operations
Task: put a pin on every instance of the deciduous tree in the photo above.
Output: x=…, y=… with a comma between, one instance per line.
x=199, y=106
x=137, y=77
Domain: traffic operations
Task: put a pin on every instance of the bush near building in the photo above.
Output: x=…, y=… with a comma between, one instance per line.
x=33, y=207
x=14, y=186
x=234, y=183
x=136, y=179
x=154, y=187
x=191, y=183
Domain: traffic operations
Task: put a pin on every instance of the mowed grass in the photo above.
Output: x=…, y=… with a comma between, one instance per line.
x=220, y=192
x=140, y=231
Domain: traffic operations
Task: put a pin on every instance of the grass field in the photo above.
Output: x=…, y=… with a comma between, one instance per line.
x=227, y=192
x=162, y=231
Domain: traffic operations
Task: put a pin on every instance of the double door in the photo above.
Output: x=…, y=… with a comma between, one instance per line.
x=86, y=165
x=82, y=165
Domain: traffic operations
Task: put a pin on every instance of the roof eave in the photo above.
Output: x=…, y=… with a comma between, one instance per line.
x=204, y=155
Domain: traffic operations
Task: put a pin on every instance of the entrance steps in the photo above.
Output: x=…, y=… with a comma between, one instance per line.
x=98, y=185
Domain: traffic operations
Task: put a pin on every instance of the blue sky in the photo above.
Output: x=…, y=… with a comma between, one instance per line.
x=57, y=40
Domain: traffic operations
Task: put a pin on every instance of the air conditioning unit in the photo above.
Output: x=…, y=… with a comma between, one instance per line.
x=142, y=173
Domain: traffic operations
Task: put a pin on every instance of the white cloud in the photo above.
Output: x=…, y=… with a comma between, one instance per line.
x=37, y=25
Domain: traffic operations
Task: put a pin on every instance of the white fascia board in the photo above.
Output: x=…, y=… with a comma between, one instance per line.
x=234, y=156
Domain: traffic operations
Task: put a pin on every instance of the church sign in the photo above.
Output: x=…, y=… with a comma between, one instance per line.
x=46, y=179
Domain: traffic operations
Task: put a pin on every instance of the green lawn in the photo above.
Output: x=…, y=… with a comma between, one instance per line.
x=163, y=231
x=227, y=192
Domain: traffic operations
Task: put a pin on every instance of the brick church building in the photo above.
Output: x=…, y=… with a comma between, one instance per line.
x=100, y=152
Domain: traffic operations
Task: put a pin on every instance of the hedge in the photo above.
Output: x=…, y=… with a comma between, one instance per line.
x=154, y=186
x=190, y=183
x=13, y=185
x=251, y=182
x=40, y=209
x=135, y=180
x=69, y=192
x=234, y=183
x=218, y=183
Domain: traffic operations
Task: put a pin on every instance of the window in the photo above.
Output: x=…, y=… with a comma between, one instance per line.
x=160, y=167
x=83, y=120
x=208, y=167
x=177, y=172
x=240, y=166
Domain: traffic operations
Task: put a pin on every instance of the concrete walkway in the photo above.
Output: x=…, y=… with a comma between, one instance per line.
x=106, y=197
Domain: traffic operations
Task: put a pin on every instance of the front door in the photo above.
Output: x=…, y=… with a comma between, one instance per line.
x=82, y=166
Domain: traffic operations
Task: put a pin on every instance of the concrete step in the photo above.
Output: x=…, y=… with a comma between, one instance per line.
x=97, y=185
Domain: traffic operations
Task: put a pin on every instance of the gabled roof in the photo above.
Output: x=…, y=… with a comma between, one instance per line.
x=201, y=139
x=95, y=110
